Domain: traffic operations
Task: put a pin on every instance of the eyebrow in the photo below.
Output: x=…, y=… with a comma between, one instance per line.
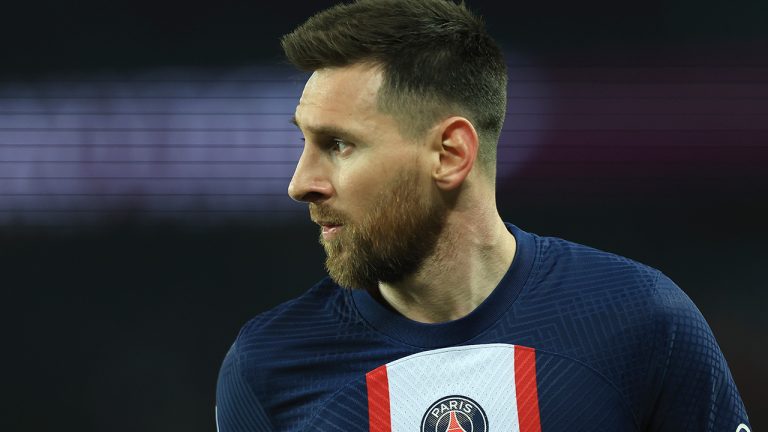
x=331, y=131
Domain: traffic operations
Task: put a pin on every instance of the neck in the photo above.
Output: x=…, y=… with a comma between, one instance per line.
x=469, y=261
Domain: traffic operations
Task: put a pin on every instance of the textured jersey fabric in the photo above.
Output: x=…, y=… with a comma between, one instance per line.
x=572, y=339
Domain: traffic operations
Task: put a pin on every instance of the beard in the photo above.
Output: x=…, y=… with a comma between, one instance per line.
x=392, y=240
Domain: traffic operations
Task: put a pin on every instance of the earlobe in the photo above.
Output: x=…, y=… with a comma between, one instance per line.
x=458, y=152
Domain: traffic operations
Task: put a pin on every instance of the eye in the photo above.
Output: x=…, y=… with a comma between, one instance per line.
x=339, y=146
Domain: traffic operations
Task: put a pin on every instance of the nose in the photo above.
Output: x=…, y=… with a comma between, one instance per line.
x=310, y=182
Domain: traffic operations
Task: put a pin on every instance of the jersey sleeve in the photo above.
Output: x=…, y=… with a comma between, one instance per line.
x=692, y=387
x=237, y=407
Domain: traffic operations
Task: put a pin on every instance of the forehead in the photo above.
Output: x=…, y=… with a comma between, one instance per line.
x=339, y=94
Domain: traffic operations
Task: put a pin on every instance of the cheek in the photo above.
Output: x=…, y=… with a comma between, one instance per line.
x=357, y=189
x=359, y=185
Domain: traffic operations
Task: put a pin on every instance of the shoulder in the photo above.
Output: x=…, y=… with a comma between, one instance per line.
x=637, y=293
x=567, y=253
x=277, y=351
x=636, y=327
x=582, y=270
x=606, y=308
x=324, y=303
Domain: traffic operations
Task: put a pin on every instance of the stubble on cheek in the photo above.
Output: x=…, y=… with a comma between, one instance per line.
x=390, y=242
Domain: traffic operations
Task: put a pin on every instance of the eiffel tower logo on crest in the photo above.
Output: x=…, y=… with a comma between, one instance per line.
x=453, y=424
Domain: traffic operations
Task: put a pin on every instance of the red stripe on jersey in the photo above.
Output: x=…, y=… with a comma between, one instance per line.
x=379, y=419
x=527, y=395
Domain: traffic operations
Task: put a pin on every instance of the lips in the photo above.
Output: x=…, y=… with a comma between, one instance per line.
x=331, y=221
x=329, y=231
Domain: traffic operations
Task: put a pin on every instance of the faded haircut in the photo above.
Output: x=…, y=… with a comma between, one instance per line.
x=436, y=58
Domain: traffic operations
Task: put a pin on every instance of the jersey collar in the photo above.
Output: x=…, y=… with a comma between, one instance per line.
x=461, y=330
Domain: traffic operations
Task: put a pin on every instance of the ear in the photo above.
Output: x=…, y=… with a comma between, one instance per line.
x=457, y=152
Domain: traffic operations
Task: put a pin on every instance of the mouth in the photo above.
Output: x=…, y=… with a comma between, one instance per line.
x=328, y=229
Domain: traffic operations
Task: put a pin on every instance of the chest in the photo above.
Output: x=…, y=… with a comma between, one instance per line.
x=476, y=388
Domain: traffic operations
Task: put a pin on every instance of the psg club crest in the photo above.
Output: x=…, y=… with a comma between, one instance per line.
x=455, y=414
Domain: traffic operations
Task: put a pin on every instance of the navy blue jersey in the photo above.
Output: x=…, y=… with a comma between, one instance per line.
x=572, y=339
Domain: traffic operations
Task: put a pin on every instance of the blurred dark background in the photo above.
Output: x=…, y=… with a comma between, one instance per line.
x=145, y=151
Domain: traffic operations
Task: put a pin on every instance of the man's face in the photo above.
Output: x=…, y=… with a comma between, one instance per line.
x=367, y=186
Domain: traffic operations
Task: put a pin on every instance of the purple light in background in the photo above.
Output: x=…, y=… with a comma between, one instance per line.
x=659, y=132
x=177, y=144
x=210, y=145
x=528, y=97
x=173, y=143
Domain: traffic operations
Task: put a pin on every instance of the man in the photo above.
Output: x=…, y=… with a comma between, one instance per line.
x=437, y=315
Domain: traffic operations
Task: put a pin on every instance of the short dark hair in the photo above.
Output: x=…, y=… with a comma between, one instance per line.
x=436, y=57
